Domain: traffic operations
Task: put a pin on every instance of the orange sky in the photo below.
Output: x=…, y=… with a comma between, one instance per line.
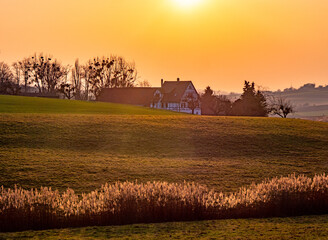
x=276, y=43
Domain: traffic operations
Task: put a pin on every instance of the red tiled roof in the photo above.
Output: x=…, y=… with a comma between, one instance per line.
x=174, y=90
x=136, y=96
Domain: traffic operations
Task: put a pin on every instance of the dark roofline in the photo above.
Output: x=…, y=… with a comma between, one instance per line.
x=178, y=81
x=124, y=88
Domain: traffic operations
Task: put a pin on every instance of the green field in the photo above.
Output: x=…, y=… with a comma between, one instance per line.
x=310, y=227
x=16, y=104
x=82, y=145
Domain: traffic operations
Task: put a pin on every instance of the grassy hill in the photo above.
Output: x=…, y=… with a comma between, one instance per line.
x=61, y=143
x=18, y=104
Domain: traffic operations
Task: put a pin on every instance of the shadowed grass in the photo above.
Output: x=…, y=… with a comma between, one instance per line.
x=85, y=151
x=309, y=227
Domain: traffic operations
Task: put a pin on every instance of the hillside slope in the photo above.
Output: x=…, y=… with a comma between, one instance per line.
x=19, y=104
x=83, y=151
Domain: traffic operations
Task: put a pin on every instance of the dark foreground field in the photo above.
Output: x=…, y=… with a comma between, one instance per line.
x=310, y=227
x=49, y=146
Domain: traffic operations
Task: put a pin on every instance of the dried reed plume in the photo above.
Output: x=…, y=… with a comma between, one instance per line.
x=128, y=202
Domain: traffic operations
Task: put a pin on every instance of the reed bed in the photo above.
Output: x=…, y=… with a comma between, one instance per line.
x=133, y=202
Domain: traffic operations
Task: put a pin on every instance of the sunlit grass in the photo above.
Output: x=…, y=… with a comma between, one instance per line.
x=18, y=104
x=123, y=203
x=85, y=151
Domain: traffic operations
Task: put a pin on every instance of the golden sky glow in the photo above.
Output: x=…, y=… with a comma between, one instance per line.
x=187, y=3
x=276, y=43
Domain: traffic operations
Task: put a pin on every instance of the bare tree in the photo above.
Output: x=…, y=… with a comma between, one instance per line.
x=67, y=89
x=144, y=83
x=193, y=102
x=46, y=73
x=125, y=73
x=281, y=106
x=99, y=74
x=113, y=72
x=86, y=82
x=23, y=69
x=77, y=75
x=17, y=72
x=7, y=85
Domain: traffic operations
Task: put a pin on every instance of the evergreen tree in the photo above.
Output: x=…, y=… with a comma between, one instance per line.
x=251, y=102
x=208, y=100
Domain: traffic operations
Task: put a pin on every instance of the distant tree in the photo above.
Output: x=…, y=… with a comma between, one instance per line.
x=113, y=72
x=7, y=84
x=17, y=73
x=251, y=102
x=77, y=76
x=215, y=104
x=307, y=86
x=208, y=92
x=25, y=68
x=100, y=72
x=86, y=82
x=125, y=73
x=209, y=102
x=281, y=107
x=291, y=89
x=144, y=83
x=192, y=101
x=67, y=89
x=223, y=106
x=5, y=73
x=46, y=73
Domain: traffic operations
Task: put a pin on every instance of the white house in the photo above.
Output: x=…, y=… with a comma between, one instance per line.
x=178, y=96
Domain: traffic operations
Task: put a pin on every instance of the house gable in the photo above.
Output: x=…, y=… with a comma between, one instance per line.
x=174, y=91
x=190, y=90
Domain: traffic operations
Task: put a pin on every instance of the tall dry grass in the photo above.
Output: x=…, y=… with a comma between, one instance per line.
x=128, y=202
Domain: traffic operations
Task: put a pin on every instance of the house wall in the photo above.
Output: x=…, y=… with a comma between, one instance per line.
x=178, y=106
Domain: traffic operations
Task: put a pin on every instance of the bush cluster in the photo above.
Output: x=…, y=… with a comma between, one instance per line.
x=132, y=202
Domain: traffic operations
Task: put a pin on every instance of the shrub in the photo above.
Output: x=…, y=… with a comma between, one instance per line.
x=132, y=202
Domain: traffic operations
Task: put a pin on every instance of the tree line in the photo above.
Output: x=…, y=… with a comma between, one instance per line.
x=82, y=81
x=47, y=76
x=252, y=102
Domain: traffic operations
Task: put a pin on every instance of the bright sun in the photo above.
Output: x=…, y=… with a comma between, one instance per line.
x=187, y=3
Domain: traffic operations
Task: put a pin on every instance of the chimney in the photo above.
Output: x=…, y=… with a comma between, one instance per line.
x=162, y=82
x=178, y=79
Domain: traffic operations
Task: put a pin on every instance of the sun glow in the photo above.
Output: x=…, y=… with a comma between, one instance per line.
x=187, y=3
